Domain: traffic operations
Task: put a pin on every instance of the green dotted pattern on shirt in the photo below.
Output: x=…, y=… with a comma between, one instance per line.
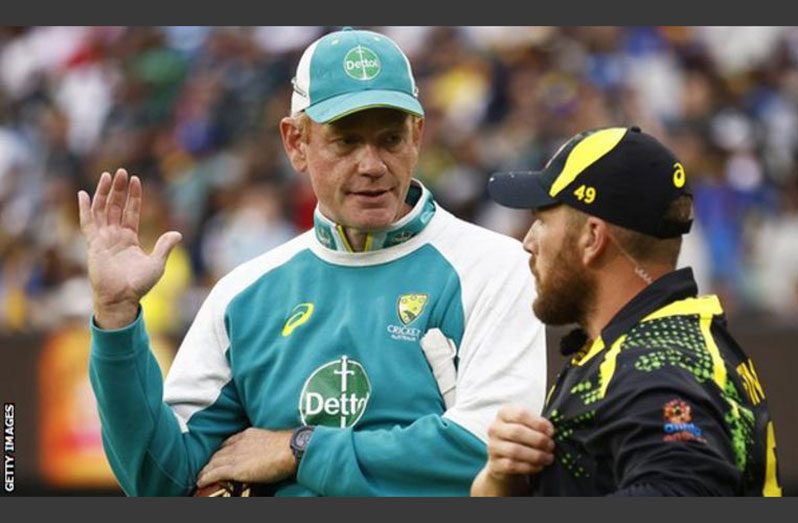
x=681, y=344
x=741, y=423
x=684, y=332
x=587, y=392
x=671, y=334
x=563, y=429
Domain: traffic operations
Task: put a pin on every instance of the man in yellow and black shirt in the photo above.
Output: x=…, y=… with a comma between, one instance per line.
x=658, y=398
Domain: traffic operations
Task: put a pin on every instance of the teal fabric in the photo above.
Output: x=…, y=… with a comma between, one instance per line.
x=355, y=306
x=142, y=438
x=380, y=433
x=354, y=70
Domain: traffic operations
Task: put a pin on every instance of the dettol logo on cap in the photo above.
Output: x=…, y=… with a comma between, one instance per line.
x=335, y=394
x=361, y=63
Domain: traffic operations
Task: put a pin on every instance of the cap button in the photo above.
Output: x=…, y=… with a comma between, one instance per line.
x=634, y=129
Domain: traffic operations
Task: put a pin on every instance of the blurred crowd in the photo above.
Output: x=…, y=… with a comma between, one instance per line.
x=194, y=112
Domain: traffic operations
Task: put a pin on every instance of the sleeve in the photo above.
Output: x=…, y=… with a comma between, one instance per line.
x=501, y=360
x=157, y=447
x=502, y=357
x=666, y=432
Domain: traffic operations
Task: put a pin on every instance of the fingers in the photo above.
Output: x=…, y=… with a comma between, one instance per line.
x=165, y=244
x=517, y=453
x=511, y=457
x=514, y=414
x=209, y=472
x=100, y=199
x=232, y=439
x=116, y=199
x=521, y=435
x=84, y=211
x=505, y=466
x=131, y=217
x=519, y=442
x=213, y=473
x=220, y=467
x=108, y=204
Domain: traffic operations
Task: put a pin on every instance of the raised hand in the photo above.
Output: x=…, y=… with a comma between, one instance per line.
x=120, y=272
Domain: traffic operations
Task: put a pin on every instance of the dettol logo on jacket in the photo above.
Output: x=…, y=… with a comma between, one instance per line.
x=336, y=394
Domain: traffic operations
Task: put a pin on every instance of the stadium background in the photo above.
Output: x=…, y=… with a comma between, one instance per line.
x=194, y=112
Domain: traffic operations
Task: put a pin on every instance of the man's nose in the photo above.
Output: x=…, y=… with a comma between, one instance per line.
x=370, y=162
x=530, y=240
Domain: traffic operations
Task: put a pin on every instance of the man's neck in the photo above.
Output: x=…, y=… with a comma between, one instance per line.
x=356, y=239
x=415, y=215
x=616, y=287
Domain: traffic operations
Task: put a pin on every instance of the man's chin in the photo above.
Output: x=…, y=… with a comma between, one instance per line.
x=551, y=315
x=371, y=226
x=373, y=220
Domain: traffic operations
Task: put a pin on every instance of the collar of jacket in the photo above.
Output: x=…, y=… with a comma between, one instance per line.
x=331, y=235
x=674, y=286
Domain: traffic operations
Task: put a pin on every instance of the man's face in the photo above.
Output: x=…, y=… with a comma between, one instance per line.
x=565, y=288
x=360, y=166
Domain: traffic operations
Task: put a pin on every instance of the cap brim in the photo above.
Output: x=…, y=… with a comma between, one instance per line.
x=520, y=190
x=345, y=104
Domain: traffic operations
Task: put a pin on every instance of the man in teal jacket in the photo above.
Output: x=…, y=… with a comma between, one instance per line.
x=365, y=357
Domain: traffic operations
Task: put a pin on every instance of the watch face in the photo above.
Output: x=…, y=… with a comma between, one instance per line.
x=303, y=437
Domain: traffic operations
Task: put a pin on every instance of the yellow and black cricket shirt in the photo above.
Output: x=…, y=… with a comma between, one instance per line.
x=664, y=402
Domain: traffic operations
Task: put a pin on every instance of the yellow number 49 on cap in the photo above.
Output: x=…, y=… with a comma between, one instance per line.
x=585, y=194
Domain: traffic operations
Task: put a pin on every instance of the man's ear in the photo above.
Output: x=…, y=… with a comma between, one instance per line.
x=294, y=144
x=593, y=240
x=418, y=132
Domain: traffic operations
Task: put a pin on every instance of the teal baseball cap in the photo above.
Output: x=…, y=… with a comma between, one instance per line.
x=351, y=70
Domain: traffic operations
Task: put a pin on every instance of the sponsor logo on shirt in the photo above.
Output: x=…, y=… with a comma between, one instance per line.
x=678, y=422
x=299, y=315
x=336, y=394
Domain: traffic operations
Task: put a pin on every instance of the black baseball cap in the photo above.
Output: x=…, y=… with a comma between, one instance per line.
x=621, y=175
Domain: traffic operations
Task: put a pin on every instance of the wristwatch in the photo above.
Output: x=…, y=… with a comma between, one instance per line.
x=299, y=442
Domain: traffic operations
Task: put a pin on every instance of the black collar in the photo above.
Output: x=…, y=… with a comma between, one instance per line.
x=674, y=286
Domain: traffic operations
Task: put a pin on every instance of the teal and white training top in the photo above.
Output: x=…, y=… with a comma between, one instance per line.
x=311, y=333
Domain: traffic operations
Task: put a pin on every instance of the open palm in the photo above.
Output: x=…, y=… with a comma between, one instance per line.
x=120, y=272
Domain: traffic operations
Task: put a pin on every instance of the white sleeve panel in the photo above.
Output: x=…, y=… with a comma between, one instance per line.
x=200, y=369
x=502, y=357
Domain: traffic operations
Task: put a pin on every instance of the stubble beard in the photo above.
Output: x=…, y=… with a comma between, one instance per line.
x=566, y=293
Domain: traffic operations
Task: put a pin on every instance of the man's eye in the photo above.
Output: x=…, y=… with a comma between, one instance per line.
x=393, y=140
x=346, y=141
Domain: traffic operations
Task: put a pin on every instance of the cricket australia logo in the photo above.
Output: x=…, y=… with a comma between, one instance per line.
x=335, y=395
x=409, y=307
x=361, y=63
